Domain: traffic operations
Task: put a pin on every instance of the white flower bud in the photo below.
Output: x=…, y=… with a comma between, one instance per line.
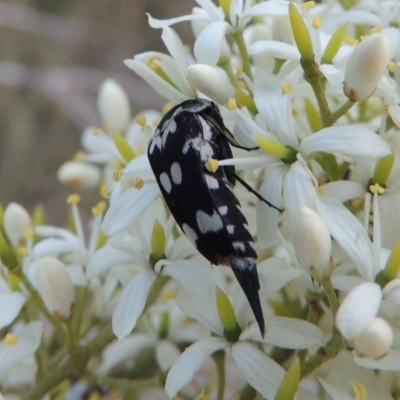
x=16, y=222
x=113, y=104
x=366, y=66
x=375, y=341
x=55, y=286
x=211, y=82
x=358, y=309
x=79, y=175
x=312, y=242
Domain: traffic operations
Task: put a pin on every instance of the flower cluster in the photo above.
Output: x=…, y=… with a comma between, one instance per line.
x=128, y=304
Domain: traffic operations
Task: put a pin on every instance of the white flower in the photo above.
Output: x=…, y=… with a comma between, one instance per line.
x=78, y=174
x=17, y=222
x=113, y=105
x=366, y=66
x=55, y=287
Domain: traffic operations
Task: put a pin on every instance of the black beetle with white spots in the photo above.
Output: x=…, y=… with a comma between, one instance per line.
x=202, y=202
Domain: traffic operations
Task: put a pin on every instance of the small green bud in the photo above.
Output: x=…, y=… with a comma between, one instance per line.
x=382, y=170
x=227, y=316
x=157, y=243
x=286, y=154
x=334, y=44
x=301, y=34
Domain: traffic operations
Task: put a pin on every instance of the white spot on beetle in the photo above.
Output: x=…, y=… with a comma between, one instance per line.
x=206, y=129
x=230, y=228
x=156, y=142
x=190, y=233
x=176, y=173
x=239, y=246
x=168, y=127
x=212, y=183
x=209, y=223
x=223, y=210
x=165, y=182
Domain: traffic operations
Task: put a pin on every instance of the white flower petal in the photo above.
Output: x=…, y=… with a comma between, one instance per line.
x=10, y=306
x=267, y=217
x=275, y=107
x=391, y=362
x=358, y=309
x=291, y=333
x=348, y=231
x=162, y=23
x=343, y=190
x=336, y=393
x=202, y=311
x=299, y=190
x=28, y=337
x=269, y=8
x=16, y=222
x=346, y=140
x=155, y=81
x=131, y=303
x=197, y=277
x=105, y=258
x=260, y=371
x=128, y=207
x=181, y=373
x=208, y=45
x=166, y=354
x=275, y=49
x=118, y=351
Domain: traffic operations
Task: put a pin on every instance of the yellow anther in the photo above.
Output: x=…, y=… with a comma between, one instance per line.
x=320, y=191
x=80, y=156
x=141, y=121
x=239, y=72
x=118, y=175
x=73, y=198
x=99, y=208
x=169, y=294
x=23, y=251
x=231, y=104
x=104, y=191
x=138, y=183
x=392, y=66
x=28, y=233
x=317, y=22
x=11, y=339
x=97, y=132
x=351, y=40
x=377, y=189
x=286, y=88
x=152, y=64
x=376, y=29
x=211, y=165
x=242, y=84
x=308, y=5
x=167, y=106
x=359, y=390
x=295, y=112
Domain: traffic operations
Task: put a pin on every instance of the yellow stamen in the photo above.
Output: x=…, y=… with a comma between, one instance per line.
x=377, y=189
x=99, y=208
x=360, y=390
x=211, y=165
x=286, y=88
x=118, y=175
x=169, y=294
x=138, y=183
x=317, y=22
x=308, y=5
x=80, y=156
x=141, y=121
x=23, y=251
x=231, y=104
x=11, y=339
x=351, y=40
x=104, y=191
x=73, y=198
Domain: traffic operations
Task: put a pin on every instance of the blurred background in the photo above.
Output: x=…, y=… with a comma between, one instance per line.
x=53, y=57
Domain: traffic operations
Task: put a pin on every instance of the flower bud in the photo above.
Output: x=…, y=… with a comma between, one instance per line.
x=79, y=175
x=113, y=104
x=16, y=222
x=375, y=341
x=211, y=82
x=55, y=287
x=366, y=66
x=312, y=242
x=358, y=309
x=227, y=315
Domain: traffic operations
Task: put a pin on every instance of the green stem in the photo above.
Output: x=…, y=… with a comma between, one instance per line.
x=317, y=80
x=244, y=55
x=225, y=64
x=74, y=366
x=342, y=110
x=331, y=295
x=219, y=359
x=82, y=301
